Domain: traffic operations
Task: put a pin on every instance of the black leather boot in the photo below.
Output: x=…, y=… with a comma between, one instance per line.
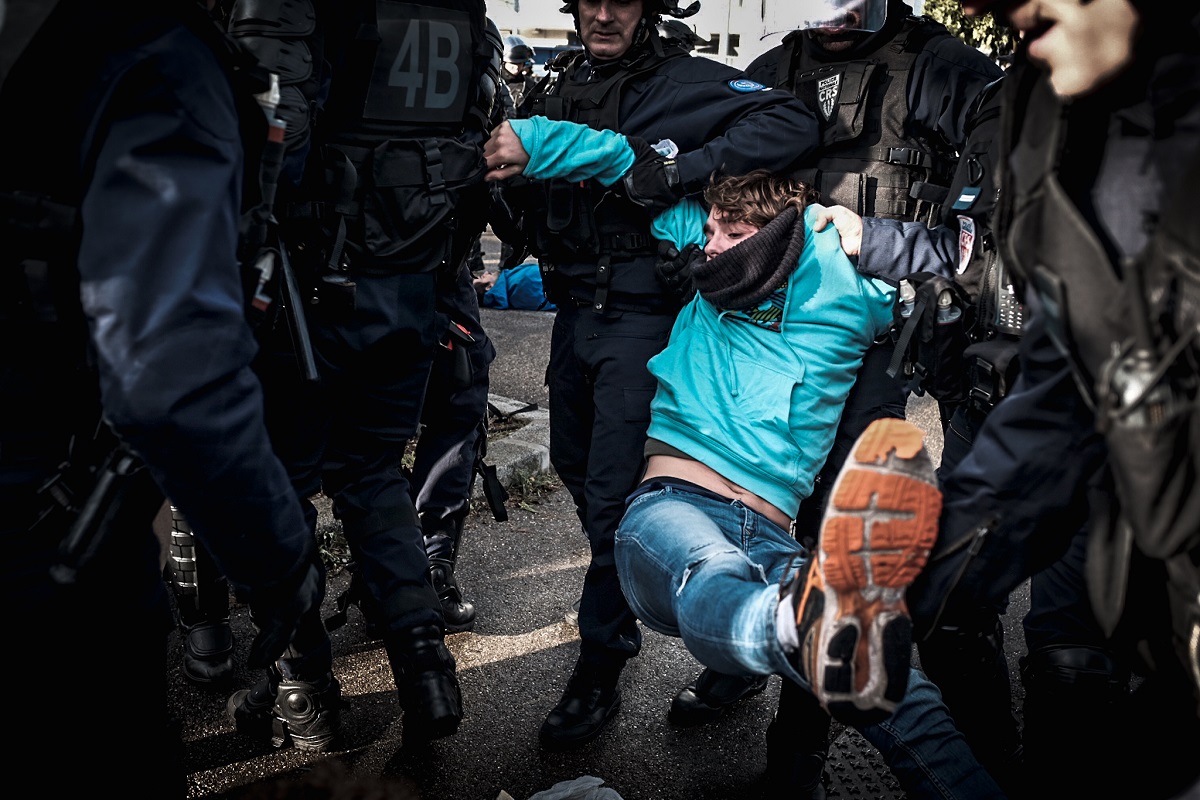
x=798, y=745
x=591, y=700
x=441, y=545
x=426, y=681
x=710, y=695
x=357, y=594
x=968, y=664
x=202, y=608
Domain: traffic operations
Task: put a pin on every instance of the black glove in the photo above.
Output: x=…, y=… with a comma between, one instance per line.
x=278, y=609
x=674, y=268
x=653, y=180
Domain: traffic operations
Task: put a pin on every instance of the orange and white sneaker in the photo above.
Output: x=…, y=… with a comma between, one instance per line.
x=851, y=620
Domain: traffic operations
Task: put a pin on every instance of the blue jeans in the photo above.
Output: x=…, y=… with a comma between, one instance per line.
x=709, y=570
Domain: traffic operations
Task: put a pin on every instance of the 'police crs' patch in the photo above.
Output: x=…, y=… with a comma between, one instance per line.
x=746, y=85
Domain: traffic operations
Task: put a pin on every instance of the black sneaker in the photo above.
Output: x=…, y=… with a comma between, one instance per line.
x=208, y=653
x=305, y=715
x=710, y=695
x=591, y=700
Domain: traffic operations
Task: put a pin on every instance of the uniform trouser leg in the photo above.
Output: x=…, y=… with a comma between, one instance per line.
x=797, y=739
x=600, y=392
x=1076, y=688
x=967, y=662
x=298, y=417
x=375, y=367
x=1082, y=721
x=453, y=431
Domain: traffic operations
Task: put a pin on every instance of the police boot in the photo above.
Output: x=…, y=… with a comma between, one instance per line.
x=424, y=671
x=710, y=695
x=289, y=711
x=441, y=545
x=202, y=608
x=968, y=664
x=797, y=745
x=1077, y=719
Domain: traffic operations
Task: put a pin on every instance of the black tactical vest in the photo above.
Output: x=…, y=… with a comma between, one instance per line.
x=1046, y=241
x=1131, y=330
x=578, y=234
x=399, y=159
x=869, y=162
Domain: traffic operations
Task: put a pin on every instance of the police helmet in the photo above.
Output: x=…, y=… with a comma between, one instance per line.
x=517, y=51
x=672, y=30
x=827, y=15
x=651, y=9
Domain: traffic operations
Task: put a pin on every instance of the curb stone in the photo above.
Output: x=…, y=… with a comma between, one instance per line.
x=523, y=452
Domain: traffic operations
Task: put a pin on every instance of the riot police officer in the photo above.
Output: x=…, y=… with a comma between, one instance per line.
x=1101, y=133
x=121, y=208
x=518, y=68
x=390, y=201
x=598, y=261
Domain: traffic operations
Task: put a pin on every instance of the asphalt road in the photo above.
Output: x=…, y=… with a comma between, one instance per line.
x=523, y=574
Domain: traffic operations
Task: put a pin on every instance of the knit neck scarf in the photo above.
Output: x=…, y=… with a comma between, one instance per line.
x=744, y=275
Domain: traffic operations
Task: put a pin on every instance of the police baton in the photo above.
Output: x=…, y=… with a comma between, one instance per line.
x=291, y=301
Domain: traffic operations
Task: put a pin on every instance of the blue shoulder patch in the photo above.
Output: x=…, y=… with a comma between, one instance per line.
x=967, y=199
x=746, y=85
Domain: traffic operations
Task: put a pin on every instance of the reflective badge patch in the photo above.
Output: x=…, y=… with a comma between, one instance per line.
x=423, y=65
x=828, y=90
x=966, y=241
x=966, y=198
x=746, y=85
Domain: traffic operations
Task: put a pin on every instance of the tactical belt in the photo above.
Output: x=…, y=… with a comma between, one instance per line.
x=622, y=304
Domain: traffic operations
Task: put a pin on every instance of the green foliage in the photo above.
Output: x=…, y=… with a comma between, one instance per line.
x=983, y=33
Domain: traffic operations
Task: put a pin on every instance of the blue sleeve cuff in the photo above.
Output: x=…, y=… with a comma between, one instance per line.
x=681, y=224
x=575, y=152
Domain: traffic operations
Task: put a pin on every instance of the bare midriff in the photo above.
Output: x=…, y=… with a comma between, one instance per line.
x=661, y=466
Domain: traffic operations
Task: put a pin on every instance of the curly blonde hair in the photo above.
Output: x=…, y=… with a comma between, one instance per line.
x=757, y=197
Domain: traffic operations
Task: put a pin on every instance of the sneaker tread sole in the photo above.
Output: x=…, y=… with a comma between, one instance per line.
x=876, y=537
